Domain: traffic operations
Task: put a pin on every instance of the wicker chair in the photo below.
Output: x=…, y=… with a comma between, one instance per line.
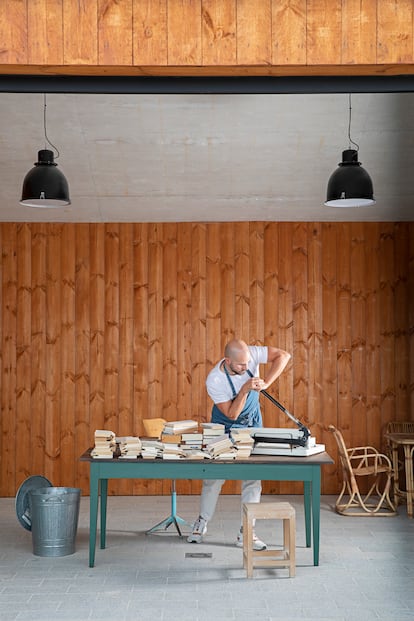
x=364, y=461
x=395, y=426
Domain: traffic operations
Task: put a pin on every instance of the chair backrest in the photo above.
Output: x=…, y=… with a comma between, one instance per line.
x=396, y=426
x=347, y=471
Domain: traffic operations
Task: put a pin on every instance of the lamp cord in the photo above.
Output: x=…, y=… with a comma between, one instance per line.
x=44, y=126
x=349, y=126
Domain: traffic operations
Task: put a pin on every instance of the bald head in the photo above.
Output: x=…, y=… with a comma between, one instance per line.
x=234, y=348
x=236, y=357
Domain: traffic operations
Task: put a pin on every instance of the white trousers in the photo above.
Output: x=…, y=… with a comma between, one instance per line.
x=250, y=492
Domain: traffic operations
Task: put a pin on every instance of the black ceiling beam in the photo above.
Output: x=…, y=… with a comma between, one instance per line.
x=201, y=85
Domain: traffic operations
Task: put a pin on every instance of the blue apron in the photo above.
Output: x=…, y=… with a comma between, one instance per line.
x=250, y=416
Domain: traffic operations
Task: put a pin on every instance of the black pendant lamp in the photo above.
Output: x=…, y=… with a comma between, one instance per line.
x=350, y=185
x=45, y=185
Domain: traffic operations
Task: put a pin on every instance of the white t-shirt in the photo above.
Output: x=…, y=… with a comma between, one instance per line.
x=218, y=386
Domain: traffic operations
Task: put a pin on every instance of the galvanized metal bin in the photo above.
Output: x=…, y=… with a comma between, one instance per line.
x=55, y=514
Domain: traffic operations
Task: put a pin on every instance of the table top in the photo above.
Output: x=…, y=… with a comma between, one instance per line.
x=319, y=459
x=400, y=438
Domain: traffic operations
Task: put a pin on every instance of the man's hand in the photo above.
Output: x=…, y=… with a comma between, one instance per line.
x=255, y=383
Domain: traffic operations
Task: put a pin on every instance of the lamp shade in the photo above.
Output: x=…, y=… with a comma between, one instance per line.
x=350, y=185
x=45, y=185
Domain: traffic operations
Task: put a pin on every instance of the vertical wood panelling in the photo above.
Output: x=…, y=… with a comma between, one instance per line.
x=289, y=32
x=125, y=412
x=45, y=27
x=155, y=326
x=254, y=32
x=342, y=415
x=394, y=31
x=103, y=325
x=111, y=33
x=115, y=32
x=219, y=32
x=285, y=315
x=141, y=337
x=83, y=432
x=329, y=403
x=403, y=296
x=184, y=32
x=38, y=358
x=387, y=320
x=169, y=319
x=358, y=323
x=285, y=381
x=53, y=353
x=256, y=285
x=323, y=32
x=358, y=42
x=270, y=307
x=315, y=323
x=23, y=349
x=8, y=369
x=80, y=32
x=13, y=32
x=97, y=326
x=112, y=331
x=150, y=32
x=243, y=258
x=410, y=285
x=184, y=336
x=374, y=431
x=300, y=320
x=69, y=448
x=198, y=321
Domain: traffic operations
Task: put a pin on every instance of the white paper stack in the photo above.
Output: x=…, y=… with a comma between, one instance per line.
x=105, y=444
x=129, y=446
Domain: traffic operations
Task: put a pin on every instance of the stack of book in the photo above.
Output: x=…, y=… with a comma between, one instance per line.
x=172, y=451
x=177, y=427
x=150, y=449
x=211, y=431
x=221, y=447
x=105, y=444
x=129, y=447
x=242, y=442
x=191, y=440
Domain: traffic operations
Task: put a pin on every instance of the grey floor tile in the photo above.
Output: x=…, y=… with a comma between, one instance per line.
x=365, y=572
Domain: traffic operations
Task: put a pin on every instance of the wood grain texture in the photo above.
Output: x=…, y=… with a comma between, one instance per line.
x=45, y=29
x=254, y=32
x=104, y=325
x=118, y=37
x=115, y=32
x=150, y=42
x=219, y=32
x=184, y=32
x=289, y=45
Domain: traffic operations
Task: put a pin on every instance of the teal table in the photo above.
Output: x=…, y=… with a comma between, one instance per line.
x=263, y=467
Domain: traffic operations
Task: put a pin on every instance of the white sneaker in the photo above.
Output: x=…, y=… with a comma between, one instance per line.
x=258, y=544
x=199, y=529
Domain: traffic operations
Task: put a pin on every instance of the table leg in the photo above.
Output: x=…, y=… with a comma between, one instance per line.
x=397, y=492
x=308, y=514
x=93, y=515
x=104, y=503
x=409, y=482
x=316, y=512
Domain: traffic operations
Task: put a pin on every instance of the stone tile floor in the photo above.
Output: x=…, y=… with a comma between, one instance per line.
x=366, y=569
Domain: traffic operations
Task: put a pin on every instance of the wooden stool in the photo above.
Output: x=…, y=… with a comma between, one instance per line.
x=269, y=558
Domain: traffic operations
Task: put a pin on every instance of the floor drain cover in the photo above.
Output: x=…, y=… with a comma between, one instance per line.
x=198, y=555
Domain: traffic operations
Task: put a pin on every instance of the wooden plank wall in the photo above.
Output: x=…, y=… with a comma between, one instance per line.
x=103, y=325
x=205, y=33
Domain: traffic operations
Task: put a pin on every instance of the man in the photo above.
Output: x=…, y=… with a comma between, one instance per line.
x=234, y=385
